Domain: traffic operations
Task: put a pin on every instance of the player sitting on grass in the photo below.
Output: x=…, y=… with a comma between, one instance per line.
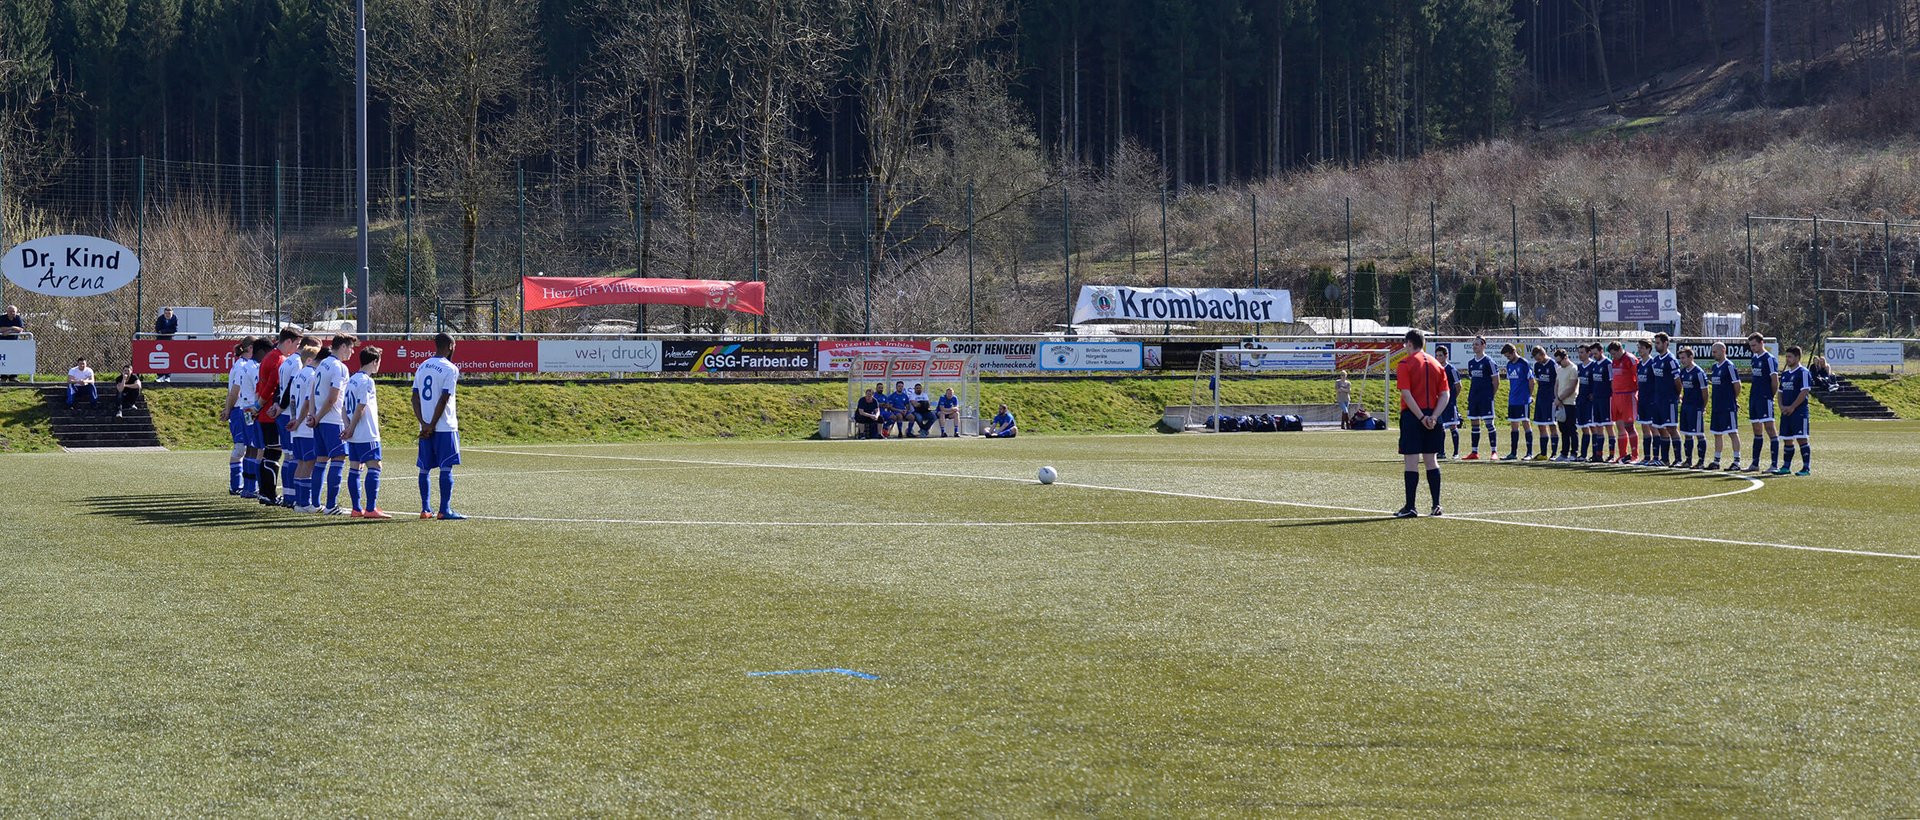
x=243, y=464
x=330, y=448
x=434, y=407
x=947, y=409
x=1693, y=412
x=363, y=436
x=1480, y=390
x=1796, y=389
x=1519, y=400
x=1763, y=376
x=1725, y=421
x=300, y=398
x=1449, y=414
x=1623, y=370
x=1003, y=425
x=1545, y=378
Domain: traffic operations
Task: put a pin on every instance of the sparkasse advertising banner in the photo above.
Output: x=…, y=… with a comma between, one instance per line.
x=599, y=356
x=1092, y=356
x=1243, y=305
x=398, y=356
x=736, y=357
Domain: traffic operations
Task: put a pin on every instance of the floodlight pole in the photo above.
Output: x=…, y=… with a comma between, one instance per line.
x=362, y=311
x=1433, y=259
x=1513, y=212
x=1593, y=266
x=1166, y=264
x=1349, y=265
x=972, y=325
x=1254, y=204
x=1753, y=305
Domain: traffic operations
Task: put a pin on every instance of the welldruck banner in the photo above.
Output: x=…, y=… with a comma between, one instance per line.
x=736, y=357
x=836, y=356
x=598, y=356
x=998, y=355
x=548, y=292
x=1245, y=306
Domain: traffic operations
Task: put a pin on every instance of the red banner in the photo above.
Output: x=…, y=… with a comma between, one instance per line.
x=547, y=292
x=398, y=356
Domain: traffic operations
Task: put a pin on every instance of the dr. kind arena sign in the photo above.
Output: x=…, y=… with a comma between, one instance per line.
x=1247, y=306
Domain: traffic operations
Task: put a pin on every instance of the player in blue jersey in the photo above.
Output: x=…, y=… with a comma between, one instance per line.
x=1481, y=387
x=329, y=420
x=1583, y=403
x=1763, y=382
x=1450, y=413
x=1724, y=422
x=1643, y=354
x=1519, y=375
x=1659, y=395
x=1693, y=412
x=947, y=409
x=1003, y=425
x=1604, y=429
x=434, y=407
x=363, y=437
x=1796, y=392
x=1545, y=377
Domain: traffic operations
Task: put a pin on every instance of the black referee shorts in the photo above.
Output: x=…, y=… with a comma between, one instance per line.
x=1415, y=438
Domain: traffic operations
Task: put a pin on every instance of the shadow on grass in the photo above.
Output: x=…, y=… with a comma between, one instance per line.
x=202, y=511
x=1338, y=522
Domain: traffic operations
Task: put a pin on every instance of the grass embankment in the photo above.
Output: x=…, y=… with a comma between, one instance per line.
x=668, y=411
x=24, y=425
x=1899, y=394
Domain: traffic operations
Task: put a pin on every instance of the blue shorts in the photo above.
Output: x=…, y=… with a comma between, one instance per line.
x=245, y=431
x=1602, y=410
x=361, y=453
x=1656, y=413
x=1450, y=415
x=1518, y=413
x=1693, y=421
x=1725, y=420
x=1543, y=412
x=1479, y=406
x=285, y=423
x=326, y=441
x=441, y=451
x=1793, y=427
x=303, y=448
x=1760, y=409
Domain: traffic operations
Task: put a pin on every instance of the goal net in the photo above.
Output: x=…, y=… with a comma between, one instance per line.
x=937, y=372
x=1235, y=379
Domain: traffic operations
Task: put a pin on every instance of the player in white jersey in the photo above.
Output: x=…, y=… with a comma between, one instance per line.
x=434, y=407
x=300, y=396
x=290, y=343
x=243, y=463
x=329, y=418
x=363, y=436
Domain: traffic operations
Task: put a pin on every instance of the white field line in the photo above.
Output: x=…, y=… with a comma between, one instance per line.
x=941, y=524
x=1477, y=518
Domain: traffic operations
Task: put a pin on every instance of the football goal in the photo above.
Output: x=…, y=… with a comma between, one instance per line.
x=1242, y=381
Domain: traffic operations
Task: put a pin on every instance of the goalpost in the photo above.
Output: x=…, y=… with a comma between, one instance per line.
x=1225, y=377
x=935, y=371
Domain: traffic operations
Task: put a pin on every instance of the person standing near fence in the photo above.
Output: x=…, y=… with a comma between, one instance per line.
x=164, y=327
x=1423, y=391
x=12, y=324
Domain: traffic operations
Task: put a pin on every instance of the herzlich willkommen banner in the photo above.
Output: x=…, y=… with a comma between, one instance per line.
x=546, y=292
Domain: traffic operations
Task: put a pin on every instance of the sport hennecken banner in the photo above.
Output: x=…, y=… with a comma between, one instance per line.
x=547, y=292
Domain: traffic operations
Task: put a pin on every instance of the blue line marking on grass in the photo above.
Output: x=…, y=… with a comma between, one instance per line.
x=835, y=671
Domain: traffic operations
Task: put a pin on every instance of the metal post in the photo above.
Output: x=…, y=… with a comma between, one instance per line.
x=279, y=205
x=1669, y=247
x=1066, y=248
x=1166, y=261
x=362, y=312
x=972, y=325
x=1349, y=266
x=1433, y=258
x=1254, y=204
x=1819, y=298
x=639, y=229
x=866, y=325
x=1753, y=300
x=1593, y=266
x=753, y=213
x=520, y=198
x=1886, y=269
x=408, y=323
x=140, y=241
x=3, y=226
x=1513, y=213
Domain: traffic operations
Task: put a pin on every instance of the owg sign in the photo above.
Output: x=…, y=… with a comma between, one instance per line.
x=70, y=265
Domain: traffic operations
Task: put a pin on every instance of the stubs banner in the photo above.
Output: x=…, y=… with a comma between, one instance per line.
x=70, y=265
x=1242, y=305
x=548, y=292
x=1639, y=306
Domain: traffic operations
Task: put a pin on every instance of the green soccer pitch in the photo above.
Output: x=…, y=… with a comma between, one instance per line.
x=1185, y=624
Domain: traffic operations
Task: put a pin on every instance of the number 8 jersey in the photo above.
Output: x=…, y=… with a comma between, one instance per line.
x=437, y=377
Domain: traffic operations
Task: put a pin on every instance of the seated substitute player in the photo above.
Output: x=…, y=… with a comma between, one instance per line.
x=866, y=415
x=1546, y=380
x=1481, y=387
x=243, y=464
x=1763, y=378
x=1693, y=412
x=363, y=436
x=1519, y=401
x=901, y=403
x=435, y=408
x=1423, y=391
x=300, y=402
x=1725, y=420
x=947, y=409
x=1003, y=425
x=1450, y=414
x=922, y=418
x=330, y=421
x=1796, y=391
x=1624, y=370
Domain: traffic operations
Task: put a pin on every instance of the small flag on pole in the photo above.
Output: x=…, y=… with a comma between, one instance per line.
x=345, y=287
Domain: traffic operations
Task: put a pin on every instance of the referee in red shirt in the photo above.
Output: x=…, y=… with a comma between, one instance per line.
x=1423, y=391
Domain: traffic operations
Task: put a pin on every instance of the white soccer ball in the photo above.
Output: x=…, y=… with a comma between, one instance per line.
x=1048, y=474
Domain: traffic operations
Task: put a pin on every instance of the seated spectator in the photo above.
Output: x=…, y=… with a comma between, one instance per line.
x=128, y=387
x=1003, y=425
x=1359, y=420
x=80, y=383
x=1823, y=379
x=902, y=405
x=922, y=409
x=12, y=324
x=948, y=409
x=866, y=415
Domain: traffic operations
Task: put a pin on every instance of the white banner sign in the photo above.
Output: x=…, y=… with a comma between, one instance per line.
x=70, y=265
x=1092, y=356
x=1245, y=306
x=1639, y=306
x=16, y=357
x=1864, y=354
x=998, y=355
x=609, y=356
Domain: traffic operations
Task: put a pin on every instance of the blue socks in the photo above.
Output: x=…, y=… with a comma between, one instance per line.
x=373, y=490
x=233, y=476
x=1773, y=449
x=446, y=490
x=426, y=492
x=249, y=475
x=336, y=470
x=353, y=487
